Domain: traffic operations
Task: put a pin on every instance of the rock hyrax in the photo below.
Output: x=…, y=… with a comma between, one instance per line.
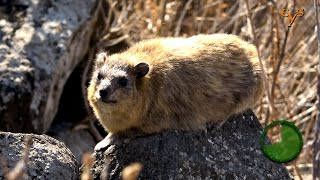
x=175, y=83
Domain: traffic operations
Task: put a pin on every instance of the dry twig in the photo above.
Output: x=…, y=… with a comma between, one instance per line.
x=19, y=171
x=179, y=23
x=256, y=42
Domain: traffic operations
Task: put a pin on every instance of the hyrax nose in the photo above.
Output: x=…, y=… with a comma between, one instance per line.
x=104, y=93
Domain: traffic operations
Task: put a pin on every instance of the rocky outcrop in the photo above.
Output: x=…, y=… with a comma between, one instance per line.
x=78, y=141
x=48, y=158
x=231, y=151
x=41, y=42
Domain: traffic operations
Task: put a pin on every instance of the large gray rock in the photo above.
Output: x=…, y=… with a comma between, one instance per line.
x=48, y=158
x=78, y=141
x=231, y=151
x=41, y=42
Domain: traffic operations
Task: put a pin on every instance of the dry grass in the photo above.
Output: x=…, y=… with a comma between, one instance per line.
x=87, y=161
x=132, y=171
x=19, y=172
x=290, y=53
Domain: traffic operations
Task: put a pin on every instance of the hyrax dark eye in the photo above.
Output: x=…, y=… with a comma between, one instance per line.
x=99, y=77
x=123, y=82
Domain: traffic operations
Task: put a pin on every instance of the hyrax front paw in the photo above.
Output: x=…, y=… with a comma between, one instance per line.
x=109, y=140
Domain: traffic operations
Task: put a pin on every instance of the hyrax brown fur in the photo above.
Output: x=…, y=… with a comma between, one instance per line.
x=175, y=83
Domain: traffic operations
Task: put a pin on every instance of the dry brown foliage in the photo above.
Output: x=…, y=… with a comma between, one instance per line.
x=290, y=53
x=132, y=171
x=87, y=161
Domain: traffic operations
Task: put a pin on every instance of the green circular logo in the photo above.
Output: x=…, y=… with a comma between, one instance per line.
x=290, y=145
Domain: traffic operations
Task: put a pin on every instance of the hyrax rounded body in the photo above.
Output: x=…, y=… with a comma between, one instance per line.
x=175, y=83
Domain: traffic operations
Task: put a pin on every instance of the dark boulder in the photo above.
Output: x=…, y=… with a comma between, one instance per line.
x=48, y=158
x=231, y=151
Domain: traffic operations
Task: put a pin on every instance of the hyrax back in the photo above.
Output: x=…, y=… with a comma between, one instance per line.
x=175, y=83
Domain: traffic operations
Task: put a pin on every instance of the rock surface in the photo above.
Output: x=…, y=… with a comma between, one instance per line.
x=231, y=151
x=78, y=141
x=41, y=42
x=48, y=158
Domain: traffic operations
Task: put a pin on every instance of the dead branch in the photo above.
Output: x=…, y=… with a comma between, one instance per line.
x=256, y=42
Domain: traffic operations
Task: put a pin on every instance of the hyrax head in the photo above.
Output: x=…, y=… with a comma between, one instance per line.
x=115, y=81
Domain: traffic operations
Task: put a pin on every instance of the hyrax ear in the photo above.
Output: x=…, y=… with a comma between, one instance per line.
x=141, y=69
x=100, y=58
